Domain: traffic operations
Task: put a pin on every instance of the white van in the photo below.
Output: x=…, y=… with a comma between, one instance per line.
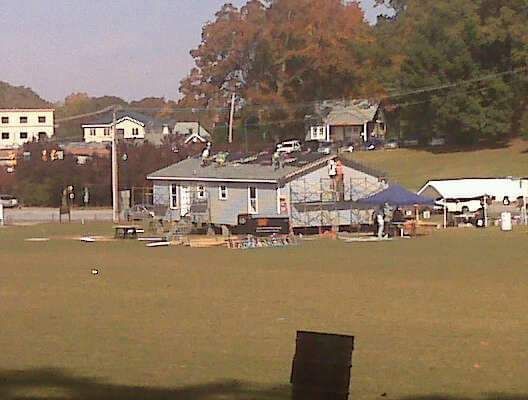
x=289, y=146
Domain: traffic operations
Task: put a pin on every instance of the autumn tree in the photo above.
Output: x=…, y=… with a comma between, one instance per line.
x=279, y=56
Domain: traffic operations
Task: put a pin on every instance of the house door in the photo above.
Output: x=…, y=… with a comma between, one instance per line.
x=185, y=200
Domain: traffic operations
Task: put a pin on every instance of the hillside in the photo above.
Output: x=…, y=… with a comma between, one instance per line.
x=412, y=168
x=20, y=97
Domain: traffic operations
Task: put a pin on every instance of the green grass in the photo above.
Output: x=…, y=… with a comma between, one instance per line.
x=443, y=315
x=413, y=168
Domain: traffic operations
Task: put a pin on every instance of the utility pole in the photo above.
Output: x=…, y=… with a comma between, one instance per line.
x=115, y=190
x=231, y=114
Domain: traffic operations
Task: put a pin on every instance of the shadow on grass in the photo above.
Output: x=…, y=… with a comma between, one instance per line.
x=50, y=383
x=488, y=396
x=55, y=384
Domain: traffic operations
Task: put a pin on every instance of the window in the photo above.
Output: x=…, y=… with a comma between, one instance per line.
x=5, y=135
x=222, y=192
x=92, y=131
x=252, y=200
x=318, y=132
x=42, y=136
x=200, y=192
x=5, y=120
x=173, y=196
x=23, y=135
x=135, y=131
x=120, y=132
x=107, y=131
x=23, y=120
x=42, y=119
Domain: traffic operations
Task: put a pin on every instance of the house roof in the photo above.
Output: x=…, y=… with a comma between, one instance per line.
x=256, y=168
x=472, y=188
x=354, y=112
x=107, y=118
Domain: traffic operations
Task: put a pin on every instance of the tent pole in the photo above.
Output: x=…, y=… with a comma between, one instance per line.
x=445, y=214
x=485, y=211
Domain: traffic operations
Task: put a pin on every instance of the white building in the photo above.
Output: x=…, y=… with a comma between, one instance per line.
x=129, y=125
x=22, y=125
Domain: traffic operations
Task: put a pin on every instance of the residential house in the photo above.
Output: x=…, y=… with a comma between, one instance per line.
x=23, y=125
x=301, y=188
x=192, y=132
x=346, y=122
x=130, y=125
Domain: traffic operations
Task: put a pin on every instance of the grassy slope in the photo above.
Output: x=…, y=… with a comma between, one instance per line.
x=426, y=320
x=413, y=168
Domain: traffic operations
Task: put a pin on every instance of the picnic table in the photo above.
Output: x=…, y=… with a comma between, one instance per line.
x=126, y=231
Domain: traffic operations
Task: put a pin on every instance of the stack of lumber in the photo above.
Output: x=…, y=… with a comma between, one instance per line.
x=207, y=242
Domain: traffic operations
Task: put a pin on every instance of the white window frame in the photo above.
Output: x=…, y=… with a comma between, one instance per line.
x=8, y=135
x=43, y=117
x=318, y=132
x=223, y=192
x=174, y=196
x=252, y=210
x=200, y=192
x=23, y=138
x=135, y=131
x=106, y=132
x=93, y=132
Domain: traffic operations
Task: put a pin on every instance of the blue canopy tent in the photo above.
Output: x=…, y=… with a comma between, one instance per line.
x=396, y=195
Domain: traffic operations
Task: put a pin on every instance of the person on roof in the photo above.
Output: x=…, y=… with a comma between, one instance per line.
x=206, y=152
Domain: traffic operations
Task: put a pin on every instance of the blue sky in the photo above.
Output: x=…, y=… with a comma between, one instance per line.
x=128, y=48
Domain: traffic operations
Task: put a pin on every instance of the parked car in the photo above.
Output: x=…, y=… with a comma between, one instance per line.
x=8, y=201
x=139, y=212
x=438, y=141
x=348, y=148
x=311, y=145
x=325, y=148
x=391, y=144
x=289, y=146
x=373, y=144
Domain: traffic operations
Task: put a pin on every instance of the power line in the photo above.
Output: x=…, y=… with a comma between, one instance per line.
x=300, y=105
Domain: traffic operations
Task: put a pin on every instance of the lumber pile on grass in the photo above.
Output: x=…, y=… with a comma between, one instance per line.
x=207, y=242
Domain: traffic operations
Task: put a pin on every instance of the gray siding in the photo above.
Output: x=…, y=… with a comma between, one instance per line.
x=223, y=212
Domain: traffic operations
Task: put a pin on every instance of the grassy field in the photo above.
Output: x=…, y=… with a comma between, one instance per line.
x=441, y=317
x=413, y=168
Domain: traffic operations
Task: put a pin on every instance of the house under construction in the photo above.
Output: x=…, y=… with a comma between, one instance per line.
x=303, y=187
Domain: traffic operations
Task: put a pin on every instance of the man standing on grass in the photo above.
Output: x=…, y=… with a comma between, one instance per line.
x=381, y=223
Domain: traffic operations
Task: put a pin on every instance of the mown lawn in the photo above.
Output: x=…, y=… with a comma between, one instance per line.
x=413, y=168
x=443, y=315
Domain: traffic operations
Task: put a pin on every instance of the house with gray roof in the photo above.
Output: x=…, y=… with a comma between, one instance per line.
x=346, y=122
x=301, y=188
x=130, y=125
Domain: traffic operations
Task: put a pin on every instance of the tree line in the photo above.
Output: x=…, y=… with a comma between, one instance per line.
x=450, y=68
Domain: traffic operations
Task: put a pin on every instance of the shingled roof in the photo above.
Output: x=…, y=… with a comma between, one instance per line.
x=256, y=168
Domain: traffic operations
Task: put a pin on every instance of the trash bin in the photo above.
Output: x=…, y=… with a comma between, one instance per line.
x=506, y=221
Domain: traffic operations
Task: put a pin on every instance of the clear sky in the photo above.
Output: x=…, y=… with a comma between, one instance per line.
x=127, y=48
